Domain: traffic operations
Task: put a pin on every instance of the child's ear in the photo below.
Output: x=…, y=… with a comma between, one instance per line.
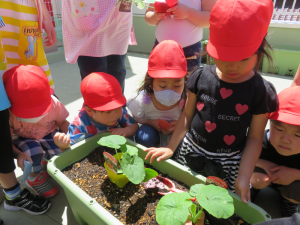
x=88, y=110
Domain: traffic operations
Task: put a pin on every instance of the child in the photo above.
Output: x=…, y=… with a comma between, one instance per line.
x=160, y=94
x=97, y=35
x=185, y=26
x=278, y=164
x=35, y=116
x=102, y=111
x=226, y=99
x=22, y=37
x=15, y=197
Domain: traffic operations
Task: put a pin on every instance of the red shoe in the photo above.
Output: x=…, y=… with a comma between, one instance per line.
x=42, y=186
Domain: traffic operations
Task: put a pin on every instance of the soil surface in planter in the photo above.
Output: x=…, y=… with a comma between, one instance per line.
x=131, y=204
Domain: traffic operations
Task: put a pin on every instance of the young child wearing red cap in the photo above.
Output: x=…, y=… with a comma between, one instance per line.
x=103, y=111
x=278, y=164
x=183, y=22
x=228, y=104
x=35, y=116
x=160, y=95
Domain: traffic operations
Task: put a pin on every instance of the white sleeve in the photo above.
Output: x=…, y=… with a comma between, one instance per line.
x=136, y=104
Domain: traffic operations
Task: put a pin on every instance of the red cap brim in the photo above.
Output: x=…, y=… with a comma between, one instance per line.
x=231, y=53
x=114, y=104
x=286, y=117
x=167, y=73
x=32, y=112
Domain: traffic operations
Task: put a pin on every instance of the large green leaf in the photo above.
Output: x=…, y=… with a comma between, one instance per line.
x=149, y=174
x=216, y=201
x=112, y=141
x=133, y=168
x=140, y=4
x=131, y=150
x=173, y=209
x=195, y=189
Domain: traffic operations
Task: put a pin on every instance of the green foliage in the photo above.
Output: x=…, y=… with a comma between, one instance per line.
x=139, y=3
x=149, y=174
x=176, y=208
x=112, y=141
x=132, y=165
x=173, y=209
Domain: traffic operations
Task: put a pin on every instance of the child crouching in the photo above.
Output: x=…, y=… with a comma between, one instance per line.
x=278, y=164
x=35, y=116
x=102, y=111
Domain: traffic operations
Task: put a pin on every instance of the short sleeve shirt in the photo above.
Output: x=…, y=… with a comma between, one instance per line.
x=224, y=110
x=269, y=153
x=4, y=102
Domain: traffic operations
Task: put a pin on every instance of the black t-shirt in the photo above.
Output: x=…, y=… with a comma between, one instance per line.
x=269, y=153
x=224, y=110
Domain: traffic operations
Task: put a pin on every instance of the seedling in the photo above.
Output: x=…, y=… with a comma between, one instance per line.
x=177, y=208
x=131, y=164
x=139, y=3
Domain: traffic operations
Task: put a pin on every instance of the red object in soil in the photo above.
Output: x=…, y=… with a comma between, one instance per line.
x=111, y=161
x=161, y=7
x=172, y=3
x=217, y=181
x=162, y=186
x=164, y=124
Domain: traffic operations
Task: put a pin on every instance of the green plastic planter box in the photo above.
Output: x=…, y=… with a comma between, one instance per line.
x=87, y=210
x=286, y=60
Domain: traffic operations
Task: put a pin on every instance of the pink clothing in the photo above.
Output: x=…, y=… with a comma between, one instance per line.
x=46, y=125
x=95, y=28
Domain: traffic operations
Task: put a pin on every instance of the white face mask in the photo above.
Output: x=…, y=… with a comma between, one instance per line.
x=167, y=97
x=32, y=120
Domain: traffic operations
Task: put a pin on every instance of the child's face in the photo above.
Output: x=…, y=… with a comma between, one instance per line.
x=236, y=72
x=108, y=118
x=285, y=138
x=174, y=84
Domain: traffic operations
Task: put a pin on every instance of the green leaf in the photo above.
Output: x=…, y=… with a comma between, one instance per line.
x=123, y=148
x=140, y=4
x=112, y=141
x=131, y=150
x=149, y=174
x=173, y=209
x=216, y=201
x=193, y=211
x=133, y=168
x=199, y=214
x=195, y=189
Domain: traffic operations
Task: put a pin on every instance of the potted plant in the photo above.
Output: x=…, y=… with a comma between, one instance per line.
x=179, y=208
x=128, y=166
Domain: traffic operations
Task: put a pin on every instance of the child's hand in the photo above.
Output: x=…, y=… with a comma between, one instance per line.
x=21, y=157
x=50, y=31
x=283, y=175
x=119, y=131
x=171, y=129
x=159, y=16
x=62, y=140
x=242, y=188
x=179, y=11
x=161, y=153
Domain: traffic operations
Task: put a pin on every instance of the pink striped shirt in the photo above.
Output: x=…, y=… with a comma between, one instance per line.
x=95, y=28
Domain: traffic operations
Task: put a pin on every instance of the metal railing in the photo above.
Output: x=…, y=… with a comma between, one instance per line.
x=286, y=11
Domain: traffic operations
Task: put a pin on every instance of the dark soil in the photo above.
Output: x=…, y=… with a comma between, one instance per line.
x=131, y=204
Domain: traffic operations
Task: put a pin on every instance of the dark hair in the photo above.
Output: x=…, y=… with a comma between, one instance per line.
x=147, y=86
x=277, y=122
x=263, y=50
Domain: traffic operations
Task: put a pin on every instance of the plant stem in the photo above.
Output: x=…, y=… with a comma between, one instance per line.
x=118, y=156
x=133, y=2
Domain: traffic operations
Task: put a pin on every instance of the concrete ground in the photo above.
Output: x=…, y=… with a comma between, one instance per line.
x=67, y=87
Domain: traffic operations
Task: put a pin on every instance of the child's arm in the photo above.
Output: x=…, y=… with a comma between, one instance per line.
x=181, y=128
x=128, y=131
x=48, y=26
x=296, y=81
x=152, y=17
x=199, y=18
x=284, y=175
x=266, y=166
x=250, y=155
x=63, y=126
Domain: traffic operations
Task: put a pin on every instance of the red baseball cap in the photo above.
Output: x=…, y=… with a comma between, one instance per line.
x=167, y=60
x=237, y=28
x=28, y=90
x=289, y=107
x=102, y=92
